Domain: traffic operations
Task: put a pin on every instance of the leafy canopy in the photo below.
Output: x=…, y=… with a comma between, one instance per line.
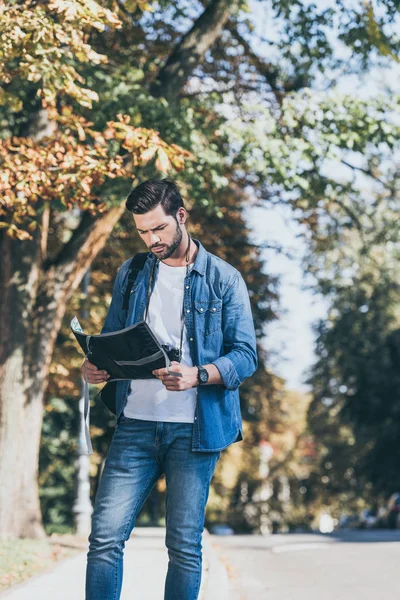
x=41, y=45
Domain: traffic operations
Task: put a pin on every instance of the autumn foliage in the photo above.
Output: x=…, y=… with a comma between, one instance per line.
x=43, y=43
x=69, y=167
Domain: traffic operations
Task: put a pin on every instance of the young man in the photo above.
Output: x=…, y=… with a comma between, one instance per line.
x=174, y=425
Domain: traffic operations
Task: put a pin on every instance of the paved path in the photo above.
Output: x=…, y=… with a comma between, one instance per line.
x=145, y=566
x=350, y=565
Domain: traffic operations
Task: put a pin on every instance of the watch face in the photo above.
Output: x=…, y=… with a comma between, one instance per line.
x=203, y=375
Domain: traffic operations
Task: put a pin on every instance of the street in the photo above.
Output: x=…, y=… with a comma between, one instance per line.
x=345, y=565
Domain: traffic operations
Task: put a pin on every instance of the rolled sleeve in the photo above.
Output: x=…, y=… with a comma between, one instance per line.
x=239, y=340
x=228, y=372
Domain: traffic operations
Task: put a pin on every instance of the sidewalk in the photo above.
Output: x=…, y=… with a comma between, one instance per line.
x=145, y=567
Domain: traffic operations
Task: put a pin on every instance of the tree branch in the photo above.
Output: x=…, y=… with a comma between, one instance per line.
x=228, y=88
x=192, y=48
x=365, y=171
x=268, y=71
x=78, y=253
x=45, y=230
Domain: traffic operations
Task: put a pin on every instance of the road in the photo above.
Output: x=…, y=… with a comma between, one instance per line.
x=350, y=565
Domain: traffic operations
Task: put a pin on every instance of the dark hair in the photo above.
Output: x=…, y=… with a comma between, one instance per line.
x=149, y=194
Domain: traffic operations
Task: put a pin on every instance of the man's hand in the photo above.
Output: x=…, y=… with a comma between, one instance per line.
x=94, y=375
x=177, y=384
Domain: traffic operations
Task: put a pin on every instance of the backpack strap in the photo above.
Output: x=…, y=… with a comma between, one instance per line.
x=136, y=265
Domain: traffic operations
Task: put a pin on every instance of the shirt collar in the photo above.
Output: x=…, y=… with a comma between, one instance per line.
x=200, y=263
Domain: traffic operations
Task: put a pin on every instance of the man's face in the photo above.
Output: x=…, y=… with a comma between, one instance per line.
x=160, y=232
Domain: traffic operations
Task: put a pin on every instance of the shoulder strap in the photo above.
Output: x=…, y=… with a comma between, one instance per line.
x=136, y=265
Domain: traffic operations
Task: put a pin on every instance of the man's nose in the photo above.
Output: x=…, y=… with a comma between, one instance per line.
x=154, y=239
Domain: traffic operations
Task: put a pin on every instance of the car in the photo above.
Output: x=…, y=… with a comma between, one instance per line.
x=222, y=529
x=348, y=521
x=369, y=518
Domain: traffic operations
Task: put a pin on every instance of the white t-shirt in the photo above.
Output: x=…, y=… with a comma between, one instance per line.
x=149, y=399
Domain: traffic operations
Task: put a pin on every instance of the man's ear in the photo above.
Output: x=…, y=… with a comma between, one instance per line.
x=181, y=216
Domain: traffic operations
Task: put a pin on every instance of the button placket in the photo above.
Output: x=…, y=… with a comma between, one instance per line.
x=189, y=315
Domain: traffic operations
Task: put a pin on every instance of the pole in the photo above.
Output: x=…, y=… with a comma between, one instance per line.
x=82, y=507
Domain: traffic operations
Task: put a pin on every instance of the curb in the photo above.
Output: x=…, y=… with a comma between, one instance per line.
x=216, y=581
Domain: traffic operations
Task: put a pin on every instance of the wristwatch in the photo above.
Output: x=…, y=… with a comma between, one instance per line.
x=202, y=375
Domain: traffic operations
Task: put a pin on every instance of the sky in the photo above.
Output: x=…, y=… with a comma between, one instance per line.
x=290, y=339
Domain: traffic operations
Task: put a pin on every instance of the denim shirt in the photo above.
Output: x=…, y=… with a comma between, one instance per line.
x=220, y=330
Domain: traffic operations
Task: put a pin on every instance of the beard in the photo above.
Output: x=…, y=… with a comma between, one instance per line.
x=170, y=249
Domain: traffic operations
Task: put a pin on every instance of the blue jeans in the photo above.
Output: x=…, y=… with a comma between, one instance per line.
x=140, y=452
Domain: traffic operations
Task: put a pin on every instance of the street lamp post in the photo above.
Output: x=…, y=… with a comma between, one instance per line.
x=266, y=489
x=82, y=507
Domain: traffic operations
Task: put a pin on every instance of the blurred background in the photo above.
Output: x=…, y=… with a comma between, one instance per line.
x=280, y=123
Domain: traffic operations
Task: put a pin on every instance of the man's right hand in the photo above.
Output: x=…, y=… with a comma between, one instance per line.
x=94, y=375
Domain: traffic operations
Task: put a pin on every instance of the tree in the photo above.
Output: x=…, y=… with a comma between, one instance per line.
x=357, y=393
x=273, y=141
x=57, y=163
x=41, y=46
x=355, y=379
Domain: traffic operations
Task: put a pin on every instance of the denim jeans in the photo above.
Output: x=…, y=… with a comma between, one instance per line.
x=140, y=452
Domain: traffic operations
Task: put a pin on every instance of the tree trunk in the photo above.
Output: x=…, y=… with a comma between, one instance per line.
x=33, y=300
x=19, y=426
x=191, y=50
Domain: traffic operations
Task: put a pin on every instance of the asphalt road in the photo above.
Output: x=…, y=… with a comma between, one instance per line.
x=350, y=565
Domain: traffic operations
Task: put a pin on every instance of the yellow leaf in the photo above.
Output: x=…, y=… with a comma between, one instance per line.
x=81, y=132
x=162, y=163
x=148, y=154
x=14, y=232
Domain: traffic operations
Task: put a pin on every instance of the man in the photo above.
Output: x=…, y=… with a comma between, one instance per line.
x=176, y=425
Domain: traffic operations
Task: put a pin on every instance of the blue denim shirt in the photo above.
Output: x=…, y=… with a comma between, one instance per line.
x=220, y=330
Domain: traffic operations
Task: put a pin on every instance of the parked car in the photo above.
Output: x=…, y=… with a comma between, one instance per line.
x=392, y=511
x=348, y=521
x=369, y=518
x=222, y=529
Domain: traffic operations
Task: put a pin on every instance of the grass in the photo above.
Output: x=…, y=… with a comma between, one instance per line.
x=21, y=559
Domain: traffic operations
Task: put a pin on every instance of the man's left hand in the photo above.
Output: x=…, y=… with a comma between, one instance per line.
x=177, y=384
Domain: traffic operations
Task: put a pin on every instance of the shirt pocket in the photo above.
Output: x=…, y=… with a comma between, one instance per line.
x=208, y=316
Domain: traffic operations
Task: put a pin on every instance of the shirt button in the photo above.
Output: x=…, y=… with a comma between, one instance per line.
x=201, y=310
x=188, y=310
x=187, y=287
x=214, y=309
x=191, y=340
